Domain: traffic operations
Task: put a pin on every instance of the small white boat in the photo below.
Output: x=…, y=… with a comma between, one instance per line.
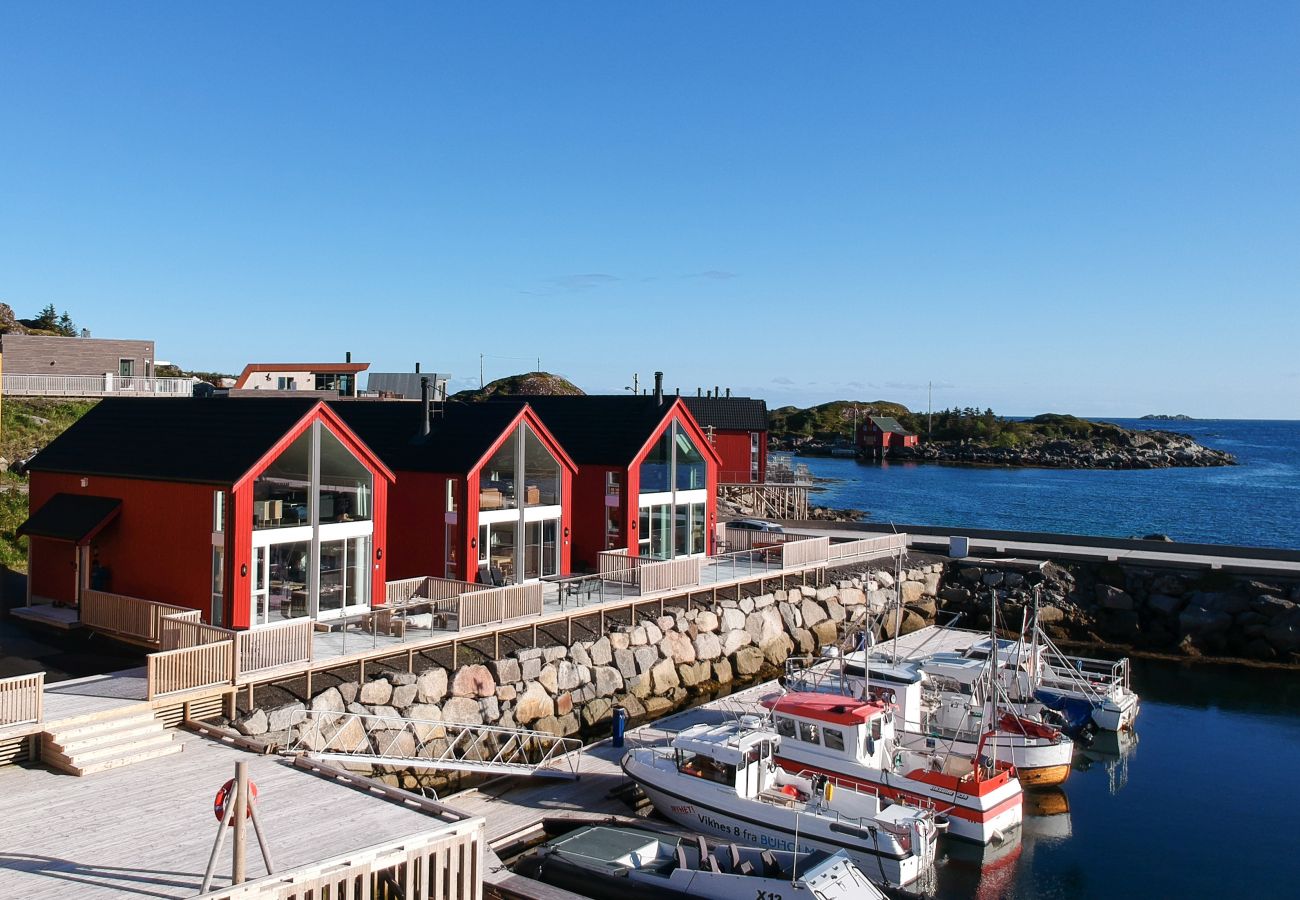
x=723, y=780
x=855, y=742
x=607, y=862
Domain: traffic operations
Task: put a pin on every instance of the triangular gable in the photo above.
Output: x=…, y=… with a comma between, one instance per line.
x=702, y=442
x=341, y=431
x=528, y=414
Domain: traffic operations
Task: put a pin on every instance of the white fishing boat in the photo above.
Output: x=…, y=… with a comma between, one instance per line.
x=607, y=862
x=943, y=704
x=855, y=742
x=723, y=780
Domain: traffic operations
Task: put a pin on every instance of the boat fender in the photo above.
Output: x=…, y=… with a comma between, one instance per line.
x=871, y=746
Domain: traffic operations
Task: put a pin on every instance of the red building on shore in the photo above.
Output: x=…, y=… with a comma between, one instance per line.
x=879, y=435
x=250, y=512
x=737, y=428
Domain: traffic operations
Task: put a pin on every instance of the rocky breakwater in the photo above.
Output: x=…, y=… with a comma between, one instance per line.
x=1168, y=611
x=651, y=668
x=1117, y=450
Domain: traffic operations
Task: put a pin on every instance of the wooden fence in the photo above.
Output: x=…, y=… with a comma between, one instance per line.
x=130, y=617
x=805, y=552
x=616, y=565
x=21, y=699
x=500, y=604
x=863, y=547
x=445, y=864
x=179, y=633
x=189, y=669
x=668, y=574
x=271, y=646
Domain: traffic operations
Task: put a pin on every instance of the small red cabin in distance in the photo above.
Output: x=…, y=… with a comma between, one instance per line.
x=250, y=512
x=647, y=476
x=484, y=491
x=879, y=435
x=737, y=428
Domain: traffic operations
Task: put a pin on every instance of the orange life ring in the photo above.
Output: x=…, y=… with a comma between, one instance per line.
x=224, y=796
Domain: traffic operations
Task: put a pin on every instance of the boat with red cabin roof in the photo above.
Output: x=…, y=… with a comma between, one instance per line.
x=855, y=741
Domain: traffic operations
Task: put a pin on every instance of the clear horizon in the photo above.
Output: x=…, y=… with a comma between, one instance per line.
x=1040, y=209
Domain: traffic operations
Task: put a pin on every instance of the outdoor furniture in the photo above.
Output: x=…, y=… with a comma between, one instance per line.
x=576, y=588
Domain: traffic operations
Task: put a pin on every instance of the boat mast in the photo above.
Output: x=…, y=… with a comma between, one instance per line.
x=993, y=675
x=898, y=599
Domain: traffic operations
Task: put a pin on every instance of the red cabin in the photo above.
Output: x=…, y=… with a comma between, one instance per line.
x=250, y=512
x=647, y=476
x=879, y=435
x=737, y=428
x=484, y=490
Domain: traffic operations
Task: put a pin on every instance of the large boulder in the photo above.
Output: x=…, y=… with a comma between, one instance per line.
x=707, y=646
x=778, y=650
x=506, y=670
x=706, y=620
x=625, y=662
x=735, y=639
x=825, y=634
x=646, y=657
x=549, y=678
x=282, y=718
x=606, y=680
x=747, y=661
x=1113, y=598
x=252, y=724
x=567, y=676
x=1197, y=620
x=404, y=695
x=813, y=612
x=473, y=681
x=790, y=616
x=425, y=715
x=463, y=711
x=732, y=619
x=764, y=625
x=327, y=706
x=375, y=692
x=663, y=677
x=912, y=591
x=852, y=596
x=677, y=647
x=601, y=653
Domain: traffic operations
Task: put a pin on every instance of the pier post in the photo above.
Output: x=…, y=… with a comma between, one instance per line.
x=238, y=868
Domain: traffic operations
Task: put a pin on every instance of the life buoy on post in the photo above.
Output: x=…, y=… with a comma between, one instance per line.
x=221, y=805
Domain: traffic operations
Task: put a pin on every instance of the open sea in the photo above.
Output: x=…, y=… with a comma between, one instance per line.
x=1256, y=503
x=1200, y=800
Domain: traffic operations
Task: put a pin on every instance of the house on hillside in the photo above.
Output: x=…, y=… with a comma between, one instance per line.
x=250, y=512
x=484, y=490
x=39, y=365
x=647, y=476
x=737, y=428
x=325, y=380
x=878, y=436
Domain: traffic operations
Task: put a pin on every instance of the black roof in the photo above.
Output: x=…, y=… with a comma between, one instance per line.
x=729, y=413
x=596, y=429
x=459, y=433
x=209, y=440
x=70, y=517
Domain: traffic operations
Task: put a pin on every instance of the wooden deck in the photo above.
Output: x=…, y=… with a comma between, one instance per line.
x=147, y=830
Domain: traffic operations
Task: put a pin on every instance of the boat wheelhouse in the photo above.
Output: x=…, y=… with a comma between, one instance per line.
x=855, y=741
x=723, y=780
x=251, y=512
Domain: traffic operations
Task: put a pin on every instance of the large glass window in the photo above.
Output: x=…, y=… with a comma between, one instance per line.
x=541, y=472
x=688, y=462
x=346, y=485
x=496, y=483
x=699, y=528
x=281, y=494
x=673, y=525
x=656, y=467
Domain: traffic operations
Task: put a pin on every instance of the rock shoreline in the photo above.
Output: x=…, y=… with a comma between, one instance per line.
x=1139, y=450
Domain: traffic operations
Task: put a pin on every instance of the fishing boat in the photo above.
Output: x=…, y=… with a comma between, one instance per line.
x=942, y=704
x=855, y=742
x=722, y=780
x=606, y=862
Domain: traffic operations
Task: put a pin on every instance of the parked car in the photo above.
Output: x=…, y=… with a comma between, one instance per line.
x=756, y=525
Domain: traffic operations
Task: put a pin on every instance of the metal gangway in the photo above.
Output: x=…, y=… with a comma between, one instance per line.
x=400, y=743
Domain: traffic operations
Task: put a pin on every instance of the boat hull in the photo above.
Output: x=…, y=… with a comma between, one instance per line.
x=1038, y=761
x=1044, y=776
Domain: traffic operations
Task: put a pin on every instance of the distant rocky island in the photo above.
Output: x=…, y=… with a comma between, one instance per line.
x=981, y=437
x=1177, y=417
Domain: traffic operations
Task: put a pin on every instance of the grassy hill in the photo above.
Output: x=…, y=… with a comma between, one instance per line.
x=524, y=383
x=833, y=418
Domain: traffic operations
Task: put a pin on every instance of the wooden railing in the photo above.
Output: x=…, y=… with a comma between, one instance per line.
x=616, y=565
x=21, y=699
x=867, y=547
x=500, y=604
x=130, y=617
x=189, y=669
x=444, y=864
x=665, y=575
x=805, y=552
x=403, y=590
x=106, y=385
x=271, y=646
x=179, y=633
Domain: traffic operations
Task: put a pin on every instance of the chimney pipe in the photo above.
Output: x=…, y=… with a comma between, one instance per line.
x=347, y=357
x=679, y=392
x=417, y=368
x=659, y=388
x=425, y=409
x=728, y=392
x=716, y=391
x=699, y=392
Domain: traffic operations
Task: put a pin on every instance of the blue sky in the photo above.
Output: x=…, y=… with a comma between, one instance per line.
x=1035, y=206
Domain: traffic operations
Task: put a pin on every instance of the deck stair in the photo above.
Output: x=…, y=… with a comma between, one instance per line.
x=107, y=740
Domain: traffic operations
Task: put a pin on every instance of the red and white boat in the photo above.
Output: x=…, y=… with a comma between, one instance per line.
x=855, y=742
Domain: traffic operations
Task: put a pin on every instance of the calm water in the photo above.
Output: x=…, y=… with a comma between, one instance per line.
x=1256, y=503
x=1200, y=803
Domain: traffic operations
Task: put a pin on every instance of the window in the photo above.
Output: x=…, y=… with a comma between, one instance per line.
x=701, y=766
x=541, y=473
x=833, y=738
x=613, y=484
x=286, y=384
x=126, y=367
x=217, y=612
x=218, y=512
x=453, y=487
x=808, y=733
x=875, y=729
x=753, y=455
x=784, y=726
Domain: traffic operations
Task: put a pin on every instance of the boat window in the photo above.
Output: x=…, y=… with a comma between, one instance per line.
x=784, y=726
x=701, y=766
x=833, y=738
x=808, y=733
x=875, y=729
x=751, y=756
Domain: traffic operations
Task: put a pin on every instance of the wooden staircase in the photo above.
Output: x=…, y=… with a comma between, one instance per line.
x=107, y=740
